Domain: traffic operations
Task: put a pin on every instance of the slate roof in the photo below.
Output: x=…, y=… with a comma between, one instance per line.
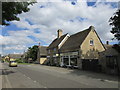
x=110, y=51
x=56, y=42
x=74, y=41
x=43, y=50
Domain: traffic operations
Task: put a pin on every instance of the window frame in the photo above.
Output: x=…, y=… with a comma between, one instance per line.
x=91, y=42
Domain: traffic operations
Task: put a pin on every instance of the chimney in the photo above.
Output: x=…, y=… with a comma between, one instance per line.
x=107, y=42
x=59, y=33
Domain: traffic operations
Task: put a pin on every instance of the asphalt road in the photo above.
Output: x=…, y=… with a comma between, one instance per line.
x=39, y=76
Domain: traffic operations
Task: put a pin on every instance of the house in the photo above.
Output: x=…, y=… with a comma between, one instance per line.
x=6, y=58
x=53, y=54
x=78, y=50
x=15, y=56
x=42, y=55
x=24, y=57
x=110, y=60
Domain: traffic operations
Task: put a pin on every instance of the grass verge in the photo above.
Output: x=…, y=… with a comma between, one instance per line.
x=25, y=63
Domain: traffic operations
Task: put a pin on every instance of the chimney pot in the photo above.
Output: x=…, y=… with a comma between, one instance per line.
x=107, y=42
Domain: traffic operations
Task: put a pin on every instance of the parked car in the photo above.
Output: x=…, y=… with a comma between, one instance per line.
x=12, y=64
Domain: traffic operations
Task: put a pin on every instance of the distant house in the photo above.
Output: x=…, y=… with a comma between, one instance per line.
x=24, y=57
x=42, y=54
x=6, y=58
x=78, y=50
x=15, y=56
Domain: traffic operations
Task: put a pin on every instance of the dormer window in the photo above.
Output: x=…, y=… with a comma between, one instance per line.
x=91, y=42
x=54, y=49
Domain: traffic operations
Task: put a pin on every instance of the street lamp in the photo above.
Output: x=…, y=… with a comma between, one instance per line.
x=39, y=52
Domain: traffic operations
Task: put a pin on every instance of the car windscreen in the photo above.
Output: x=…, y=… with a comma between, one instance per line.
x=12, y=61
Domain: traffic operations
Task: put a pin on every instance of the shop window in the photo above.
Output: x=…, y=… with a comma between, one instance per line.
x=73, y=61
x=48, y=51
x=66, y=61
x=54, y=49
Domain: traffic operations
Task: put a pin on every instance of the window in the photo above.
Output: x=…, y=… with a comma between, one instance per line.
x=73, y=61
x=66, y=61
x=48, y=51
x=43, y=56
x=91, y=42
x=54, y=49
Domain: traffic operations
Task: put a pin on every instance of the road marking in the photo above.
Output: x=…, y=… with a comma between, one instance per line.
x=35, y=81
x=104, y=80
x=6, y=81
x=28, y=77
x=24, y=75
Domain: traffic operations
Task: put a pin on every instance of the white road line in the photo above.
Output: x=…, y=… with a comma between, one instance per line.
x=104, y=80
x=28, y=77
x=35, y=81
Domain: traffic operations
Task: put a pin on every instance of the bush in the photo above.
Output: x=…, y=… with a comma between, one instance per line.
x=19, y=61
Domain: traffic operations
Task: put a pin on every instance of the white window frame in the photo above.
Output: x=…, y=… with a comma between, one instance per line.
x=49, y=51
x=54, y=49
x=91, y=42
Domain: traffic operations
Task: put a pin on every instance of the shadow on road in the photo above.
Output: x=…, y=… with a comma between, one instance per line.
x=6, y=72
x=94, y=75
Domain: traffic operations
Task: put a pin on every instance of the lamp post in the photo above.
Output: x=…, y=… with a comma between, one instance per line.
x=39, y=52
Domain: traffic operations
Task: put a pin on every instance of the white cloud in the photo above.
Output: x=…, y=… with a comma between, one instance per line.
x=57, y=15
x=16, y=47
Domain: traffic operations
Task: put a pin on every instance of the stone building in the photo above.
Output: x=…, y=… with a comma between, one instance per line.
x=15, y=56
x=110, y=60
x=53, y=50
x=78, y=50
x=42, y=55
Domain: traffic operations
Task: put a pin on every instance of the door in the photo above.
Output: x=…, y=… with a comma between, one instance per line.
x=90, y=64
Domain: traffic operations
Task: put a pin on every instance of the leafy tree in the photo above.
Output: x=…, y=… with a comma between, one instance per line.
x=19, y=60
x=32, y=52
x=115, y=23
x=10, y=10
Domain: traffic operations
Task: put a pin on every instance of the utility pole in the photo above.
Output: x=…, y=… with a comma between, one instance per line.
x=39, y=52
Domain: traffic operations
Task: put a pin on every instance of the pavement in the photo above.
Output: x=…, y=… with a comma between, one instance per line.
x=0, y=75
x=40, y=76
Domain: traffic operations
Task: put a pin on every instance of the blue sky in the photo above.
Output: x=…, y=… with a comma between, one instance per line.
x=43, y=20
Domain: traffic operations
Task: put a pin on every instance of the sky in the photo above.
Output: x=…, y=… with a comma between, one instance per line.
x=43, y=20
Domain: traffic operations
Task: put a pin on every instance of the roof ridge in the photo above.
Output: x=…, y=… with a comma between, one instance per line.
x=80, y=32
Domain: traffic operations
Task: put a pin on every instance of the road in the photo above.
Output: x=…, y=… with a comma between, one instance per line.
x=40, y=76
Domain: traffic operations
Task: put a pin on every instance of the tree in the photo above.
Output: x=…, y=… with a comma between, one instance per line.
x=10, y=10
x=115, y=23
x=32, y=52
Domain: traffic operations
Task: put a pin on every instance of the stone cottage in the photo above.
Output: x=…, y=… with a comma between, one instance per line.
x=79, y=50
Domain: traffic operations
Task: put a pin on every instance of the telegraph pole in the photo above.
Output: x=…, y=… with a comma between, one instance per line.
x=39, y=52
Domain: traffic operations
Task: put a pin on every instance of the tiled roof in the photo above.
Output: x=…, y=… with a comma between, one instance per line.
x=15, y=56
x=43, y=50
x=110, y=51
x=56, y=42
x=74, y=41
